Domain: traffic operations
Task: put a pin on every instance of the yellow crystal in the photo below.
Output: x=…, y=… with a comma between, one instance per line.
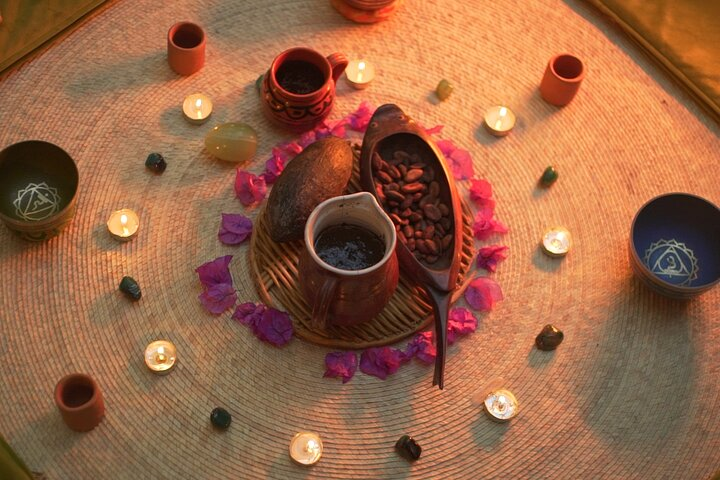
x=233, y=142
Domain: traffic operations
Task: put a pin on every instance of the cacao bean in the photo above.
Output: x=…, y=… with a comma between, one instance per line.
x=446, y=224
x=407, y=202
x=446, y=241
x=408, y=231
x=421, y=245
x=413, y=187
x=403, y=169
x=394, y=196
x=394, y=172
x=432, y=212
x=429, y=231
x=444, y=209
x=415, y=217
x=432, y=246
x=397, y=220
x=431, y=259
x=405, y=213
x=376, y=162
x=434, y=189
x=384, y=177
x=413, y=175
x=411, y=244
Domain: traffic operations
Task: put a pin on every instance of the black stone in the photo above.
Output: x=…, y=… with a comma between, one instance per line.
x=549, y=338
x=221, y=418
x=408, y=448
x=130, y=288
x=156, y=163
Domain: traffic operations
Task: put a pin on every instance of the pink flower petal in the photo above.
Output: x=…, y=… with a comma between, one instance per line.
x=485, y=226
x=461, y=164
x=489, y=257
x=461, y=322
x=434, y=130
x=482, y=293
x=306, y=138
x=360, y=118
x=422, y=348
x=274, y=165
x=275, y=327
x=249, y=188
x=447, y=147
x=341, y=364
x=234, y=228
x=218, y=298
x=380, y=361
x=249, y=314
x=215, y=272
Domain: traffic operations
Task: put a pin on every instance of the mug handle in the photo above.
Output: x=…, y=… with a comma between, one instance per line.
x=338, y=62
x=321, y=306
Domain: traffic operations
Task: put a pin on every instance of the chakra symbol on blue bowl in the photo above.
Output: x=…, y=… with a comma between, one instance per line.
x=672, y=261
x=36, y=202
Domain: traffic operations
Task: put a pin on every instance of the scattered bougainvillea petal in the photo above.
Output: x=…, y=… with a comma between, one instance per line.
x=480, y=191
x=461, y=322
x=275, y=327
x=422, y=348
x=218, y=298
x=380, y=361
x=434, y=130
x=234, y=228
x=360, y=118
x=249, y=313
x=482, y=293
x=485, y=226
x=341, y=364
x=215, y=272
x=249, y=188
x=274, y=165
x=458, y=160
x=489, y=257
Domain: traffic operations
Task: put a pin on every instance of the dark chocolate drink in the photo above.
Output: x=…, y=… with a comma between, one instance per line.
x=349, y=247
x=299, y=77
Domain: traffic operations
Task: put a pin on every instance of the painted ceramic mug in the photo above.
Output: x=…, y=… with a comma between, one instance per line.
x=563, y=75
x=340, y=296
x=298, y=91
x=186, y=47
x=80, y=401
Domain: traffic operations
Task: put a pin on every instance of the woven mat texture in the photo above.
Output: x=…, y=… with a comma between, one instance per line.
x=633, y=391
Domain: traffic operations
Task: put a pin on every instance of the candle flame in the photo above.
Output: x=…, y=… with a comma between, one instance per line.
x=311, y=446
x=160, y=356
x=198, y=103
x=123, y=219
x=361, y=66
x=503, y=111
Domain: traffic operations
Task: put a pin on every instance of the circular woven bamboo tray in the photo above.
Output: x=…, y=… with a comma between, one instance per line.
x=274, y=270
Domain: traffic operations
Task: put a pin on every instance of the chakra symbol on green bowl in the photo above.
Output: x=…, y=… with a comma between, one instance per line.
x=672, y=261
x=36, y=202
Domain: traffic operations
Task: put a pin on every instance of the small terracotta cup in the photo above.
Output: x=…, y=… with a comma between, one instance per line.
x=298, y=91
x=562, y=79
x=365, y=11
x=186, y=47
x=80, y=401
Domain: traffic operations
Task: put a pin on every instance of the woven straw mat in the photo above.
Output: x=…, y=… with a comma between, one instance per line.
x=632, y=392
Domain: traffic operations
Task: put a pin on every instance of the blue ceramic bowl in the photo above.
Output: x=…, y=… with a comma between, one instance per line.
x=675, y=245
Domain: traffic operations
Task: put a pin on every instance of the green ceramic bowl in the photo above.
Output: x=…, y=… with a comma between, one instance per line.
x=38, y=189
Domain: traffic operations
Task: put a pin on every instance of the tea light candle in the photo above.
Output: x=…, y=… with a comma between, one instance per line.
x=306, y=448
x=197, y=108
x=123, y=224
x=556, y=242
x=501, y=405
x=359, y=73
x=499, y=120
x=160, y=357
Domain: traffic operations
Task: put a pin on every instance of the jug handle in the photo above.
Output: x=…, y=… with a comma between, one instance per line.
x=321, y=306
x=338, y=62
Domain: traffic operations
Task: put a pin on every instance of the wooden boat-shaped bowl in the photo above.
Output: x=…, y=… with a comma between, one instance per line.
x=391, y=131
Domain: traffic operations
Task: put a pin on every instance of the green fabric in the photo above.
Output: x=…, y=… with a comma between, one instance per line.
x=11, y=466
x=683, y=35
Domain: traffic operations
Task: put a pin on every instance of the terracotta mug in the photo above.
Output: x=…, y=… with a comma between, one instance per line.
x=340, y=296
x=80, y=401
x=562, y=79
x=186, y=47
x=298, y=91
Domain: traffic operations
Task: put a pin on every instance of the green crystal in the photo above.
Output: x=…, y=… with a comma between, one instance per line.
x=549, y=176
x=443, y=90
x=221, y=418
x=233, y=142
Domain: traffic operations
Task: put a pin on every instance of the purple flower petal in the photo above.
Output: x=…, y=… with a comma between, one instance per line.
x=489, y=257
x=274, y=327
x=234, y=228
x=341, y=364
x=275, y=165
x=461, y=321
x=380, y=361
x=422, y=348
x=249, y=188
x=215, y=272
x=360, y=118
x=218, y=298
x=482, y=293
x=306, y=138
x=485, y=226
x=249, y=314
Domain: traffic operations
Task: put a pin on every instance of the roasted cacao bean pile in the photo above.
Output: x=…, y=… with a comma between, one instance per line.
x=409, y=193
